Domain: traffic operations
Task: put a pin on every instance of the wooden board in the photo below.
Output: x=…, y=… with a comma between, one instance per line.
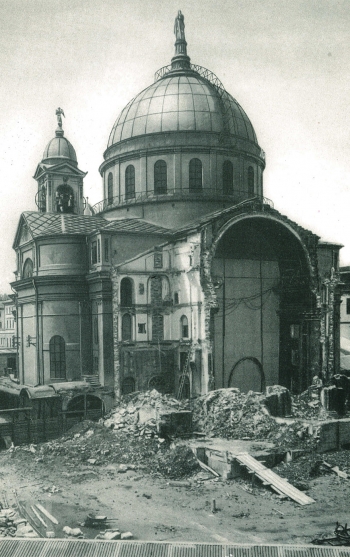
x=279, y=484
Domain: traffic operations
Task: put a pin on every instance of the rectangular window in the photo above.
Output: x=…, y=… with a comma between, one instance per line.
x=95, y=329
x=96, y=363
x=335, y=261
x=295, y=357
x=158, y=260
x=142, y=328
x=294, y=331
x=94, y=252
x=348, y=306
x=98, y=250
x=106, y=250
x=176, y=298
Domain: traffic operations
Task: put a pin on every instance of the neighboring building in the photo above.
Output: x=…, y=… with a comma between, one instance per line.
x=184, y=277
x=345, y=319
x=8, y=338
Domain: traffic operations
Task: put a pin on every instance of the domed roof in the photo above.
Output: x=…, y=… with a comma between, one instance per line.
x=59, y=148
x=182, y=101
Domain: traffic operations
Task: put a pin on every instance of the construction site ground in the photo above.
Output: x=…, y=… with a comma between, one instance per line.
x=154, y=507
x=153, y=486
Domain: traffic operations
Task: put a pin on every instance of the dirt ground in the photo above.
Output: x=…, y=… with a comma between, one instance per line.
x=152, y=509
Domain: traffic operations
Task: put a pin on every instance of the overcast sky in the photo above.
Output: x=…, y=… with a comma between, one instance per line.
x=285, y=61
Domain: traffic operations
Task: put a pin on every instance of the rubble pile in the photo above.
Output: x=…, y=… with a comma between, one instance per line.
x=304, y=408
x=93, y=445
x=314, y=465
x=14, y=526
x=179, y=462
x=130, y=436
x=230, y=414
x=139, y=413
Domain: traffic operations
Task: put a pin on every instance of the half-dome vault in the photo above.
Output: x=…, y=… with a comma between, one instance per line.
x=183, y=143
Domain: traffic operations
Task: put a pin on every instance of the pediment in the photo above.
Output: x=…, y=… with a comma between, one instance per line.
x=23, y=234
x=61, y=168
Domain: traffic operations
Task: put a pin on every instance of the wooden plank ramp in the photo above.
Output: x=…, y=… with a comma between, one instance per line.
x=277, y=483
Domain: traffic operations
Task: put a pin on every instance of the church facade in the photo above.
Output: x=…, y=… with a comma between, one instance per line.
x=184, y=277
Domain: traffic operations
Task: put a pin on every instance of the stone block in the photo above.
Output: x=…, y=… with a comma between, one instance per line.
x=112, y=535
x=278, y=401
x=126, y=536
x=333, y=399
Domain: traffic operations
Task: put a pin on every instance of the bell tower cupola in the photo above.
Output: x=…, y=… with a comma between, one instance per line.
x=60, y=182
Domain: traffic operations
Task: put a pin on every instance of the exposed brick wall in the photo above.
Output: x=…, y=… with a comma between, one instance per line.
x=116, y=344
x=156, y=291
x=157, y=327
x=329, y=325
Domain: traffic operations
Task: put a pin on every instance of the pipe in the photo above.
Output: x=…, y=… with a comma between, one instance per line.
x=37, y=333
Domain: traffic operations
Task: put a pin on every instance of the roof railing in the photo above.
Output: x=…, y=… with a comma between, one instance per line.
x=176, y=195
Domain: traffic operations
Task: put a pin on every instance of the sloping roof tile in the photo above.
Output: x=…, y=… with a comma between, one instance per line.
x=136, y=226
x=43, y=224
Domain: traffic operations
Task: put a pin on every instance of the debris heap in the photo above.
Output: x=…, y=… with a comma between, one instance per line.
x=230, y=414
x=14, y=526
x=139, y=414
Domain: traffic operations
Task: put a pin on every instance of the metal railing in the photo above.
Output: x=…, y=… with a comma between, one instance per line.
x=175, y=195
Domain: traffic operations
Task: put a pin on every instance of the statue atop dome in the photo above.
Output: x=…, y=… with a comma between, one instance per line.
x=180, y=60
x=59, y=114
x=179, y=27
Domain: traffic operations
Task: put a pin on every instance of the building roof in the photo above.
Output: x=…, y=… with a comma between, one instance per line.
x=184, y=98
x=181, y=101
x=10, y=387
x=59, y=148
x=136, y=226
x=130, y=548
x=48, y=224
x=44, y=224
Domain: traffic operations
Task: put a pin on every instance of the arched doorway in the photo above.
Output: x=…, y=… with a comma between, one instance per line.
x=128, y=385
x=248, y=375
x=262, y=281
x=157, y=382
x=85, y=406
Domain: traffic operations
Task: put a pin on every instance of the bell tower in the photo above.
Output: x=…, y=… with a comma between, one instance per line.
x=60, y=181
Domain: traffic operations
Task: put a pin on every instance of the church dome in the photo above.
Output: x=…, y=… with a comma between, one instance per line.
x=183, y=144
x=182, y=100
x=59, y=148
